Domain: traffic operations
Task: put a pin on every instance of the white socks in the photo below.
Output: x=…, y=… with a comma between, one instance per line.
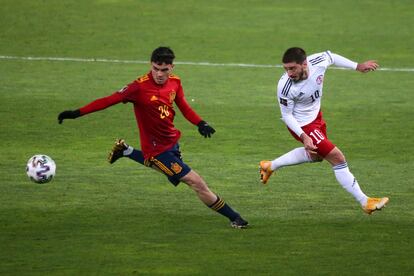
x=293, y=157
x=348, y=181
x=342, y=173
x=128, y=151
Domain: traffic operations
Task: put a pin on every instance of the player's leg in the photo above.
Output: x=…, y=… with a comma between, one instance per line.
x=213, y=201
x=335, y=157
x=121, y=149
x=171, y=164
x=197, y=183
x=349, y=183
x=294, y=157
x=344, y=176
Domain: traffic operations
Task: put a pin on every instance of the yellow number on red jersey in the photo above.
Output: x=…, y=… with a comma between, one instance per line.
x=164, y=112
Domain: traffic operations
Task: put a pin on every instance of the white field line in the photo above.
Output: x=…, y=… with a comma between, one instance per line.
x=177, y=62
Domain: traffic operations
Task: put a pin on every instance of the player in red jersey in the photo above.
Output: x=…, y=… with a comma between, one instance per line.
x=153, y=96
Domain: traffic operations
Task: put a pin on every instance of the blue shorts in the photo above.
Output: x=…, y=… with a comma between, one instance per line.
x=169, y=163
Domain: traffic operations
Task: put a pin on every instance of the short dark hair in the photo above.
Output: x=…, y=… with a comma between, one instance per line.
x=162, y=55
x=294, y=54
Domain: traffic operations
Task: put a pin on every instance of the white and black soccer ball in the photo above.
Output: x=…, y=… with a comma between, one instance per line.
x=41, y=168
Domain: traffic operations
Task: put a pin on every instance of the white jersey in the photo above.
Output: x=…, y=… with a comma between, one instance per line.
x=302, y=99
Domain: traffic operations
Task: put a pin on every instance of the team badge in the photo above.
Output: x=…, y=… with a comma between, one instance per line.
x=172, y=96
x=319, y=79
x=176, y=168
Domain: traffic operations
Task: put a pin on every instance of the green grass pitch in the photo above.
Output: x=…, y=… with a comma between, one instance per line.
x=124, y=219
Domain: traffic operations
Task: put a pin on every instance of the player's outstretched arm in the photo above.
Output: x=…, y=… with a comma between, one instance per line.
x=68, y=114
x=205, y=129
x=367, y=66
x=94, y=106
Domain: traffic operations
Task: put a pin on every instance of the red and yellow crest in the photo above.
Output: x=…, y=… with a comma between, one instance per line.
x=172, y=96
x=176, y=168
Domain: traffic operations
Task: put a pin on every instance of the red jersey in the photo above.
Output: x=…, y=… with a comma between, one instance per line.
x=154, y=111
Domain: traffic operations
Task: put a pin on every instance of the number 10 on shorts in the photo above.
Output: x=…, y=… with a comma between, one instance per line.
x=317, y=135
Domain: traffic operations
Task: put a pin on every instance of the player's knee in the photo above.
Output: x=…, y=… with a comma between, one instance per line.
x=194, y=180
x=200, y=188
x=335, y=157
x=315, y=157
x=339, y=157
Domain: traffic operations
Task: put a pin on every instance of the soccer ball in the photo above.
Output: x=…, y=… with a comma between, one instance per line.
x=41, y=168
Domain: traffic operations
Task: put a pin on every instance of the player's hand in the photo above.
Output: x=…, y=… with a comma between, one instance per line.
x=367, y=66
x=308, y=143
x=205, y=129
x=68, y=114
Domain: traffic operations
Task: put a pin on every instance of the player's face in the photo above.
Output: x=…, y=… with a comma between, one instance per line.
x=160, y=73
x=296, y=71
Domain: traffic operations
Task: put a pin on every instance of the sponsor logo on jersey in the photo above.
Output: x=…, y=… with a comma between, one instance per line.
x=283, y=101
x=154, y=98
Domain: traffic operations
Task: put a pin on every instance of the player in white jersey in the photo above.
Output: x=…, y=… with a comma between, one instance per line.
x=299, y=93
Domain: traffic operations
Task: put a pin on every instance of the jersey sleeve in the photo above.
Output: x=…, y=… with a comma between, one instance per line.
x=323, y=59
x=343, y=62
x=286, y=103
x=185, y=108
x=101, y=103
x=128, y=92
x=124, y=95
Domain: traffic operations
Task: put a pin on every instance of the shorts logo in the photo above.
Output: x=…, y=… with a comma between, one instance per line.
x=319, y=79
x=176, y=168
